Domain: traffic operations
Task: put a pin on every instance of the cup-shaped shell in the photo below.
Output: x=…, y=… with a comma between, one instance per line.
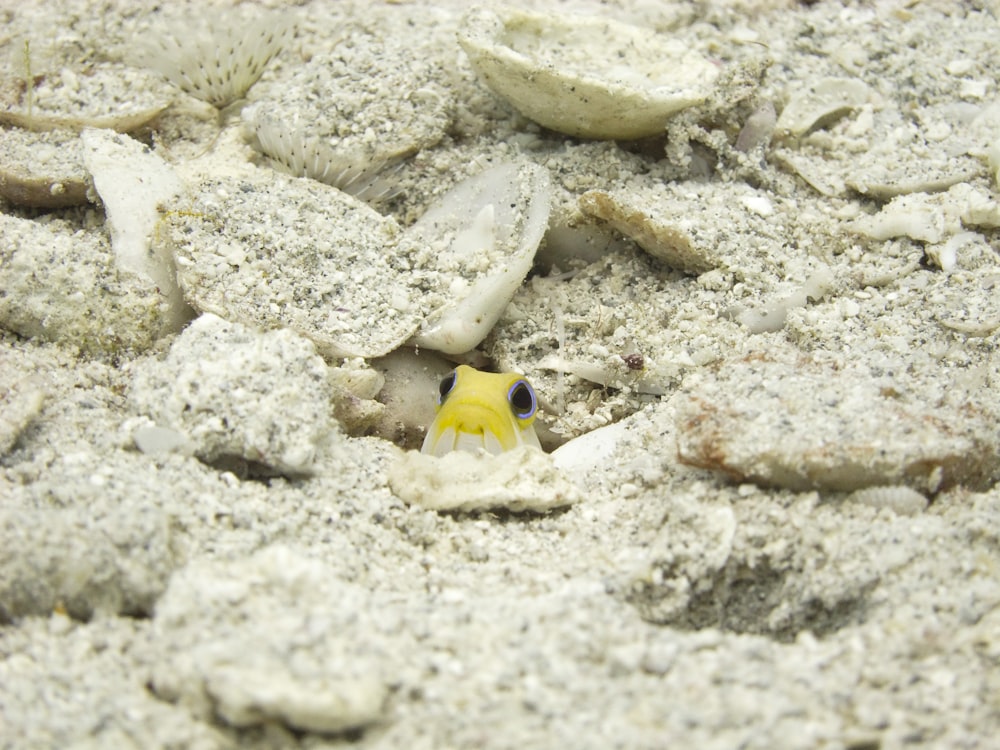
x=585, y=76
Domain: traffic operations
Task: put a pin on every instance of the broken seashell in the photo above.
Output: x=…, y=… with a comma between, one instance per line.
x=994, y=160
x=772, y=316
x=294, y=151
x=132, y=182
x=820, y=104
x=899, y=157
x=213, y=58
x=269, y=250
x=519, y=480
x=409, y=376
x=844, y=430
x=684, y=225
x=900, y=499
x=585, y=76
x=931, y=218
x=486, y=231
x=230, y=391
x=652, y=227
x=21, y=400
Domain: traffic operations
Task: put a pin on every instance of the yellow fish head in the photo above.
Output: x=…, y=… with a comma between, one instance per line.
x=482, y=410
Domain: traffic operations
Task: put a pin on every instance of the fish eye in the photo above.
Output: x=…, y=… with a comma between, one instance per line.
x=446, y=385
x=522, y=399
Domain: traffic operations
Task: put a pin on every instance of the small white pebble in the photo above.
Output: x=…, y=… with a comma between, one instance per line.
x=759, y=204
x=153, y=440
x=903, y=501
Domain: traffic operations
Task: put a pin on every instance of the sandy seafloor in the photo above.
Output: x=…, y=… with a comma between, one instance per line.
x=791, y=540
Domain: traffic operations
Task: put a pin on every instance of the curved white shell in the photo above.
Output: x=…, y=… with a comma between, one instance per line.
x=821, y=102
x=579, y=74
x=486, y=230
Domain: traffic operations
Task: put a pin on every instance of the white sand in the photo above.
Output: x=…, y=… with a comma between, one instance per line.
x=789, y=537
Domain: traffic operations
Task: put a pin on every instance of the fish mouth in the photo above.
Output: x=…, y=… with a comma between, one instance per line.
x=453, y=439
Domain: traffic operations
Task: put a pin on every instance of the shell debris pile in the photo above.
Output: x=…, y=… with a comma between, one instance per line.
x=327, y=265
x=745, y=253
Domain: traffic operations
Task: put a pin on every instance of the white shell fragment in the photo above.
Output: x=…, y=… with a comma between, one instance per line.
x=233, y=392
x=21, y=401
x=938, y=219
x=343, y=117
x=772, y=316
x=820, y=104
x=523, y=479
x=485, y=233
x=408, y=377
x=994, y=160
x=661, y=232
x=842, y=430
x=902, y=500
x=918, y=216
x=686, y=226
x=585, y=76
x=217, y=57
x=133, y=182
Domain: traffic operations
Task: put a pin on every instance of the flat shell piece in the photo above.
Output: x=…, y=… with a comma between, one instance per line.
x=42, y=169
x=523, y=479
x=274, y=251
x=939, y=219
x=585, y=76
x=342, y=117
x=812, y=427
x=652, y=228
x=107, y=95
x=687, y=227
x=483, y=235
x=21, y=401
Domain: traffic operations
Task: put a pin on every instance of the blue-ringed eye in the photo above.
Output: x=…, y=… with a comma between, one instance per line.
x=522, y=399
x=446, y=385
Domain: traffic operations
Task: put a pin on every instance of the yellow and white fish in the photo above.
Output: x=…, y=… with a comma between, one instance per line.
x=482, y=410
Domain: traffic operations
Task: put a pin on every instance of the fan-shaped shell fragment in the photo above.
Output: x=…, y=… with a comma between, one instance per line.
x=343, y=117
x=215, y=58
